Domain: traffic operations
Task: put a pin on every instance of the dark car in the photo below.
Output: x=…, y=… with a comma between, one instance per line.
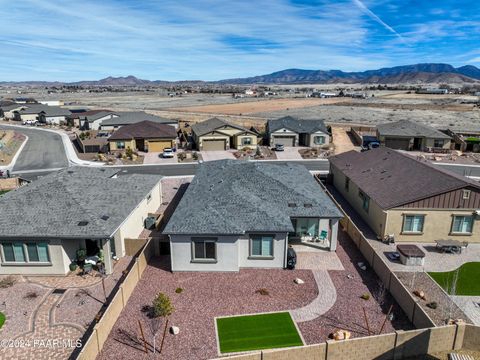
x=370, y=146
x=279, y=147
x=291, y=259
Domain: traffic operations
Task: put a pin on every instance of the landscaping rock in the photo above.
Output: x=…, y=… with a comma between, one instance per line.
x=298, y=281
x=362, y=265
x=174, y=330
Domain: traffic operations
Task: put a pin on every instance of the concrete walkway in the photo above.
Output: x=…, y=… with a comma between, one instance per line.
x=467, y=304
x=327, y=296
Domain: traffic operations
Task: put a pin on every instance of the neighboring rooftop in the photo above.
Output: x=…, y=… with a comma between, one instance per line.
x=391, y=178
x=48, y=110
x=144, y=130
x=297, y=125
x=409, y=128
x=235, y=197
x=213, y=124
x=54, y=205
x=126, y=118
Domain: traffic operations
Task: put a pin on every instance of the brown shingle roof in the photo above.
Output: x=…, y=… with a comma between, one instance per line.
x=144, y=130
x=392, y=179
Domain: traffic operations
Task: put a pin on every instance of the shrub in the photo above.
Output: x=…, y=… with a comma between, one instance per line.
x=365, y=296
x=129, y=152
x=31, y=295
x=162, y=306
x=7, y=282
x=179, y=290
x=181, y=156
x=432, y=305
x=195, y=156
x=262, y=291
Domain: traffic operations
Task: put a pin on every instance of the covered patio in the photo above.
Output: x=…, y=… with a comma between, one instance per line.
x=319, y=233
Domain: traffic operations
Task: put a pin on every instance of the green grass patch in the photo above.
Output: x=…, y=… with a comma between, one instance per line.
x=256, y=332
x=2, y=319
x=468, y=283
x=3, y=192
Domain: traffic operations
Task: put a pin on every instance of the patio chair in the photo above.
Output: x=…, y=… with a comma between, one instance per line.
x=87, y=269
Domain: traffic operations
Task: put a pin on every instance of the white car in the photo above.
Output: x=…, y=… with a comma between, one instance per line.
x=168, y=153
x=30, y=122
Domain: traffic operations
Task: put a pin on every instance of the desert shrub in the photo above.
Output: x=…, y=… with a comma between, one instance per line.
x=365, y=296
x=262, y=291
x=432, y=305
x=181, y=156
x=129, y=153
x=31, y=295
x=179, y=290
x=7, y=282
x=194, y=155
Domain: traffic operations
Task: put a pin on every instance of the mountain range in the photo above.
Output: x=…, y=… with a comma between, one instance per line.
x=413, y=74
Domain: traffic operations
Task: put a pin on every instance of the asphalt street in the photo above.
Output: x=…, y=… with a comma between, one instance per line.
x=43, y=150
x=44, y=153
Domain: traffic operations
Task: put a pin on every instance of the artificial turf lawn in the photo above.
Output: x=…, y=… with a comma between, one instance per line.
x=468, y=279
x=2, y=319
x=255, y=332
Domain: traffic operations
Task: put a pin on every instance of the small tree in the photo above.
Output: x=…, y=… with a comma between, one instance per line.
x=129, y=153
x=161, y=308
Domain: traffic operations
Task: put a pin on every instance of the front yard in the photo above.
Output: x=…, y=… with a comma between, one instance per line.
x=255, y=332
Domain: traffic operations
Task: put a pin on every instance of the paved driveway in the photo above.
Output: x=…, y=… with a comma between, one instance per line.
x=156, y=158
x=216, y=155
x=290, y=153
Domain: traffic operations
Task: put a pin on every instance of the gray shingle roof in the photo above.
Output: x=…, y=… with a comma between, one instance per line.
x=297, y=125
x=52, y=206
x=392, y=179
x=126, y=118
x=144, y=130
x=213, y=124
x=411, y=129
x=234, y=197
x=48, y=110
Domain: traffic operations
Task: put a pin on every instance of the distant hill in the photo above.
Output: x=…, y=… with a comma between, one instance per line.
x=416, y=74
x=419, y=73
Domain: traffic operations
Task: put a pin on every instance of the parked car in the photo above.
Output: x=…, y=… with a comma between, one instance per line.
x=168, y=153
x=370, y=146
x=279, y=147
x=291, y=259
x=30, y=122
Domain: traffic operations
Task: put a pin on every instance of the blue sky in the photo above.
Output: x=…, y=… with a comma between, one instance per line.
x=69, y=40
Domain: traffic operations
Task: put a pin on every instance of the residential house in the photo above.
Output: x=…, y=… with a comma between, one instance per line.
x=91, y=119
x=290, y=131
x=42, y=113
x=144, y=136
x=413, y=200
x=43, y=224
x=94, y=142
x=119, y=119
x=465, y=139
x=409, y=135
x=8, y=111
x=240, y=214
x=218, y=134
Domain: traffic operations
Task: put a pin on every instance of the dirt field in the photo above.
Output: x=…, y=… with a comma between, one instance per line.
x=10, y=142
x=260, y=106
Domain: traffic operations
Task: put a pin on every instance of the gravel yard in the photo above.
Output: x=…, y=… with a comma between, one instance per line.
x=18, y=307
x=205, y=295
x=347, y=312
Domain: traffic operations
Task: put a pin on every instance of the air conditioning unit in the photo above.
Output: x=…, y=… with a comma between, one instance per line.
x=476, y=212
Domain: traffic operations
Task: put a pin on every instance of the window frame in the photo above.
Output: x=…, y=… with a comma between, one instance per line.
x=466, y=193
x=250, y=141
x=120, y=147
x=319, y=136
x=251, y=256
x=203, y=240
x=452, y=230
x=26, y=255
x=435, y=145
x=365, y=200
x=412, y=232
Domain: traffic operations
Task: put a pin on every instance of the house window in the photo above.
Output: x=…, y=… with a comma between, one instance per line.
x=204, y=249
x=149, y=197
x=120, y=145
x=413, y=223
x=347, y=183
x=438, y=143
x=246, y=141
x=261, y=246
x=365, y=200
x=31, y=252
x=466, y=194
x=462, y=224
x=319, y=140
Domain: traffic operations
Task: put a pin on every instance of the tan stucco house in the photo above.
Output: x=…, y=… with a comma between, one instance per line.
x=409, y=135
x=144, y=136
x=43, y=224
x=290, y=131
x=217, y=134
x=413, y=200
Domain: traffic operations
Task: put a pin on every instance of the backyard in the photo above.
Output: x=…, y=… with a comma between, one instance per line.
x=462, y=281
x=255, y=332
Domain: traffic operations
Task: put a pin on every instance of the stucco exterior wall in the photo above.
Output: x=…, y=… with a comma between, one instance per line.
x=311, y=143
x=428, y=142
x=282, y=132
x=279, y=253
x=375, y=217
x=437, y=225
x=55, y=119
x=128, y=144
x=134, y=224
x=238, y=141
x=215, y=136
